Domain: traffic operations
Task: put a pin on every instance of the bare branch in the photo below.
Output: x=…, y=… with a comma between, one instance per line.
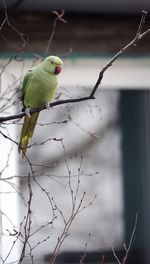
x=128, y=249
x=27, y=226
x=85, y=250
x=142, y=22
x=7, y=137
x=139, y=35
x=116, y=257
x=6, y=20
x=58, y=17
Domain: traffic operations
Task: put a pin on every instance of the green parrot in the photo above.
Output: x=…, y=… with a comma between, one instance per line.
x=38, y=88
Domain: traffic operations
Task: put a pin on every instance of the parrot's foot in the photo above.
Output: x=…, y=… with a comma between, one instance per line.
x=27, y=111
x=48, y=106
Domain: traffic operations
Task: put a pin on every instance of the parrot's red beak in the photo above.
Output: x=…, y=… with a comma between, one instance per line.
x=57, y=69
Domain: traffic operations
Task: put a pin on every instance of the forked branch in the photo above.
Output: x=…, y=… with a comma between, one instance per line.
x=130, y=245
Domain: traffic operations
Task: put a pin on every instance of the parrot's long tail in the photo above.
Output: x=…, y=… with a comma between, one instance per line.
x=27, y=132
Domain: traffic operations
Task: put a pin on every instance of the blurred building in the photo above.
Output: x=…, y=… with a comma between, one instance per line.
x=110, y=134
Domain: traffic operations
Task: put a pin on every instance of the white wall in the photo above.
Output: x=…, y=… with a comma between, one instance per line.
x=125, y=73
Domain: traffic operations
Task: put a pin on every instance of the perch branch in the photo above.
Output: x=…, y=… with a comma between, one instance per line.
x=139, y=35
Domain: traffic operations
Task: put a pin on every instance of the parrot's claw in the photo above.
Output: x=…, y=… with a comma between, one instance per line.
x=48, y=106
x=27, y=111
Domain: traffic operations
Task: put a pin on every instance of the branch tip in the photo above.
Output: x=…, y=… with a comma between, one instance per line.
x=144, y=12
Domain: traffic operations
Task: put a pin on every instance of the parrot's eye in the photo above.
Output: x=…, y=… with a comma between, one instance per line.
x=52, y=62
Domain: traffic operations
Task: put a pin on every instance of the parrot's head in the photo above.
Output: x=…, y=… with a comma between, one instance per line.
x=53, y=65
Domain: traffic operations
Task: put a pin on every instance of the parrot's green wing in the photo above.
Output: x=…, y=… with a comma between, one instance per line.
x=26, y=82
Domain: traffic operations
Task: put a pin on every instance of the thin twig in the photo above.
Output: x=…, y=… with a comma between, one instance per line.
x=85, y=250
x=6, y=20
x=27, y=226
x=128, y=249
x=58, y=17
x=116, y=257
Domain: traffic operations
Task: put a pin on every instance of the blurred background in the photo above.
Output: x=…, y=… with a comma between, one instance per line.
x=100, y=147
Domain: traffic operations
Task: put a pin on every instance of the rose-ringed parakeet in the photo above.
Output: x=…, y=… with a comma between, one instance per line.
x=38, y=88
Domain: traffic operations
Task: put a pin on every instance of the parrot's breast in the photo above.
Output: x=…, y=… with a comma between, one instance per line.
x=41, y=89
